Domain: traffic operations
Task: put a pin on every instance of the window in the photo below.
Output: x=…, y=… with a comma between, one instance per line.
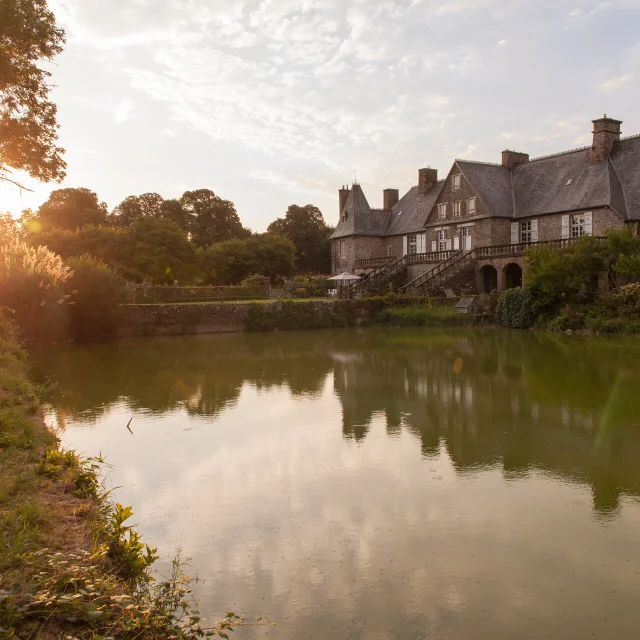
x=341, y=249
x=456, y=182
x=526, y=229
x=471, y=207
x=442, y=211
x=577, y=225
x=413, y=245
x=465, y=234
x=442, y=239
x=388, y=251
x=457, y=208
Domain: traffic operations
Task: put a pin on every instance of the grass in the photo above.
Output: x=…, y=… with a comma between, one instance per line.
x=422, y=316
x=70, y=565
x=254, y=301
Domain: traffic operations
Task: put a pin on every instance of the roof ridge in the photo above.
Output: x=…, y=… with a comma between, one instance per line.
x=491, y=164
x=560, y=153
x=631, y=137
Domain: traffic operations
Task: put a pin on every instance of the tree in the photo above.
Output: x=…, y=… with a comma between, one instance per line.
x=212, y=218
x=28, y=119
x=172, y=210
x=306, y=228
x=71, y=209
x=134, y=207
x=160, y=250
x=232, y=261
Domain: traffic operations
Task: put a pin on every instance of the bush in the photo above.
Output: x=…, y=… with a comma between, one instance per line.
x=31, y=281
x=97, y=291
x=517, y=309
x=416, y=316
x=628, y=295
x=255, y=282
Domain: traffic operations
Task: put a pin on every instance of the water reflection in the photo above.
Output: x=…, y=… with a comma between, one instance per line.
x=378, y=484
x=530, y=401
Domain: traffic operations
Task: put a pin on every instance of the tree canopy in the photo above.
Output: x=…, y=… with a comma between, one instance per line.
x=29, y=36
x=70, y=209
x=212, y=218
x=306, y=228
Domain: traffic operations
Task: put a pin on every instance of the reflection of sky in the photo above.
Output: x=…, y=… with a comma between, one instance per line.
x=330, y=537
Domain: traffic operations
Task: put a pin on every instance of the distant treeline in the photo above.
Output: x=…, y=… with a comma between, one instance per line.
x=198, y=238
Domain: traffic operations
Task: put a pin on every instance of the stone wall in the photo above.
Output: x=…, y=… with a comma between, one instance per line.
x=354, y=248
x=180, y=319
x=143, y=294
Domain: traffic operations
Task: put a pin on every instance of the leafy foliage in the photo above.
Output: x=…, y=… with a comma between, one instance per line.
x=69, y=209
x=517, y=309
x=306, y=228
x=212, y=219
x=97, y=292
x=28, y=126
x=232, y=261
x=422, y=316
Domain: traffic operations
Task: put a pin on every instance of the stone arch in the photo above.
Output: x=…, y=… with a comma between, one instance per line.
x=489, y=278
x=513, y=275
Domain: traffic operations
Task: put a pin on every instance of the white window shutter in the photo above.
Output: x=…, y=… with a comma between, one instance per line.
x=534, y=231
x=565, y=226
x=456, y=243
x=588, y=223
x=515, y=228
x=404, y=245
x=434, y=246
x=448, y=244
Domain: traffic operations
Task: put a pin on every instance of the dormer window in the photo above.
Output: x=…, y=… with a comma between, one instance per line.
x=456, y=182
x=442, y=211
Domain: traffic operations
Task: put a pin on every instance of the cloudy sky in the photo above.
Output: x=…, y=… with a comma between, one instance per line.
x=274, y=102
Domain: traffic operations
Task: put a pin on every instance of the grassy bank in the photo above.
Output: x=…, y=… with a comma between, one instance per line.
x=422, y=316
x=70, y=565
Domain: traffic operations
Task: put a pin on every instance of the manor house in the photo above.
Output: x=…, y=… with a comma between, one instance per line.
x=469, y=230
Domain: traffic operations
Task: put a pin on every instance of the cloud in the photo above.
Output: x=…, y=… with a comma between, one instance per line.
x=123, y=111
x=614, y=83
x=503, y=41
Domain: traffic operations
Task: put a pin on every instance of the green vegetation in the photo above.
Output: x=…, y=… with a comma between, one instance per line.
x=423, y=316
x=563, y=292
x=28, y=125
x=50, y=588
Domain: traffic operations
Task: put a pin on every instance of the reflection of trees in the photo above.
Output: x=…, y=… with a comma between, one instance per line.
x=204, y=374
x=526, y=401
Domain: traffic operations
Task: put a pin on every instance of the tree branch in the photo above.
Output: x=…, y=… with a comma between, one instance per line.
x=21, y=187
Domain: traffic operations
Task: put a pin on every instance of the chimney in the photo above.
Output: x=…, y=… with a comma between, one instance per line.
x=606, y=132
x=390, y=198
x=513, y=159
x=343, y=194
x=427, y=178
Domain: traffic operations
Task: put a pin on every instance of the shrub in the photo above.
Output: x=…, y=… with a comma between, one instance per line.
x=416, y=316
x=255, y=282
x=31, y=281
x=97, y=291
x=628, y=295
x=516, y=309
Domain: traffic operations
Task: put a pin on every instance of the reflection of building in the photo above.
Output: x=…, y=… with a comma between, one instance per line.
x=508, y=405
x=475, y=224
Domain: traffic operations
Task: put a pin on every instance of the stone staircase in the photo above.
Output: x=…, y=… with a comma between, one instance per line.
x=374, y=282
x=442, y=275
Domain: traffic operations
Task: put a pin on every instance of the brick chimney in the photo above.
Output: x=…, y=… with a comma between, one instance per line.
x=390, y=198
x=513, y=159
x=427, y=178
x=343, y=194
x=606, y=132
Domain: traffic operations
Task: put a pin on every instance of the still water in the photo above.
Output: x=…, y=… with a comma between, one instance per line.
x=377, y=484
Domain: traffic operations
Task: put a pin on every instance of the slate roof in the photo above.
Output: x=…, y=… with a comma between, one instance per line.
x=361, y=219
x=552, y=184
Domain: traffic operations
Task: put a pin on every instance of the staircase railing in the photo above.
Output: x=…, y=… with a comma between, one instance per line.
x=438, y=269
x=365, y=281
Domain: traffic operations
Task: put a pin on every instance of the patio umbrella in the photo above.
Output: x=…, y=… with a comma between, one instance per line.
x=344, y=277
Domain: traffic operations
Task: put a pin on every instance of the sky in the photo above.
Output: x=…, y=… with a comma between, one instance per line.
x=278, y=102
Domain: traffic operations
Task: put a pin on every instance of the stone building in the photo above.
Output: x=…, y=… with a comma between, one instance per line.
x=472, y=227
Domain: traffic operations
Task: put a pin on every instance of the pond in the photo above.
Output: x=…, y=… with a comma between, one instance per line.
x=377, y=484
